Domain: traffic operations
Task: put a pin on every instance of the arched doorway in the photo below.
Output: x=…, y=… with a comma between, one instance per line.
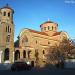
x=24, y=54
x=32, y=63
x=17, y=55
x=6, y=54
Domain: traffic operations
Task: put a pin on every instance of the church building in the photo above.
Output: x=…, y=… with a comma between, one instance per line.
x=31, y=44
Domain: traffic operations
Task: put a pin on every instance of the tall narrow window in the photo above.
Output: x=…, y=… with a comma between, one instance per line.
x=52, y=27
x=43, y=52
x=48, y=28
x=36, y=41
x=8, y=38
x=9, y=14
x=24, y=54
x=8, y=28
x=29, y=54
x=4, y=14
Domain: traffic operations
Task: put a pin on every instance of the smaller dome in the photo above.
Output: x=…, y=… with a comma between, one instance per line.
x=48, y=26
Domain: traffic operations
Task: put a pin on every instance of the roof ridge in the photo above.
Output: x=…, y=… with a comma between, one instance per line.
x=56, y=33
x=42, y=33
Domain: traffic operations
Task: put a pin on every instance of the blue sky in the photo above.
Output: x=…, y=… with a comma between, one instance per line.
x=32, y=13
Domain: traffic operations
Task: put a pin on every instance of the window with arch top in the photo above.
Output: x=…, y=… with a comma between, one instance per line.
x=24, y=54
x=48, y=27
x=9, y=14
x=4, y=14
x=26, y=39
x=52, y=27
x=8, y=29
x=43, y=52
x=8, y=38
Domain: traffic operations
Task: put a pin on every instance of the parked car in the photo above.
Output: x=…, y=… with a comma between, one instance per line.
x=19, y=66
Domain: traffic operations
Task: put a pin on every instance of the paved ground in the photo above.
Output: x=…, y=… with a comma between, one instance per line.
x=40, y=72
x=51, y=71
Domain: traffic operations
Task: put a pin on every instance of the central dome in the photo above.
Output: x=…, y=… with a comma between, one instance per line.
x=48, y=26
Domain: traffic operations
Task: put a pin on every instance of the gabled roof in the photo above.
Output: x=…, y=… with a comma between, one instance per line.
x=57, y=33
x=42, y=33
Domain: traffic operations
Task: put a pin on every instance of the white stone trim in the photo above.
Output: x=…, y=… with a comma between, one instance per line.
x=1, y=56
x=13, y=56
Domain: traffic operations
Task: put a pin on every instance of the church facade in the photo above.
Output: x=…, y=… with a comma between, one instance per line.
x=32, y=45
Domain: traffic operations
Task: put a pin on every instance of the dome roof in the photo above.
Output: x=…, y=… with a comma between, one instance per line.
x=46, y=22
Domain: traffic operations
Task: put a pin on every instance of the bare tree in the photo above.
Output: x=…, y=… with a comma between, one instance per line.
x=65, y=50
x=68, y=48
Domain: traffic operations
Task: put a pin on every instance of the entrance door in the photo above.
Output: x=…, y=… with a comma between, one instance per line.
x=17, y=55
x=32, y=63
x=6, y=54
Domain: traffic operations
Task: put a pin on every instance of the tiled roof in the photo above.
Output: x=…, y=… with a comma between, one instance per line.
x=57, y=33
x=42, y=33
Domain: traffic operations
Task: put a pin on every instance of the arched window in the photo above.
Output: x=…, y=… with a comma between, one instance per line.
x=48, y=42
x=36, y=41
x=4, y=14
x=32, y=63
x=9, y=14
x=26, y=39
x=52, y=27
x=48, y=27
x=8, y=38
x=24, y=54
x=8, y=28
x=6, y=54
x=43, y=52
x=29, y=53
x=36, y=53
